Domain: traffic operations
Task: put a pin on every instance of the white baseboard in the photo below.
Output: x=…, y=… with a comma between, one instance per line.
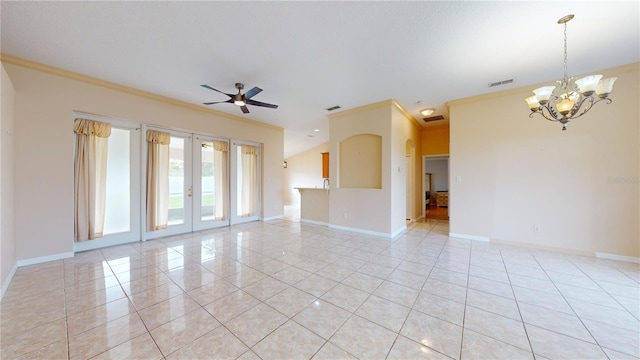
x=7, y=281
x=631, y=259
x=277, y=217
x=398, y=232
x=363, y=231
x=469, y=237
x=314, y=222
x=38, y=260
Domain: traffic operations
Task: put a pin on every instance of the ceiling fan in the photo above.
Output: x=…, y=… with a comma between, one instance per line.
x=240, y=99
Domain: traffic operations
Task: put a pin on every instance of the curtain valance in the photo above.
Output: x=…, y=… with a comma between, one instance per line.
x=158, y=137
x=249, y=150
x=221, y=145
x=91, y=127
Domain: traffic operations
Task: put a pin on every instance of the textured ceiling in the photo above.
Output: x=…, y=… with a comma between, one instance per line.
x=308, y=56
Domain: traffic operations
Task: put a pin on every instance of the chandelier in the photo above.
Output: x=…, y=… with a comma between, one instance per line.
x=569, y=98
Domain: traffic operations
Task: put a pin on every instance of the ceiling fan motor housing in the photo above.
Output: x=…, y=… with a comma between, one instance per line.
x=240, y=99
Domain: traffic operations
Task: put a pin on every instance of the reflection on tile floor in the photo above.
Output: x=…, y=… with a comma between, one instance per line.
x=283, y=289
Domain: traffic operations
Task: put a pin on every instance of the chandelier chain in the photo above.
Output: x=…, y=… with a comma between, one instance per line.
x=566, y=77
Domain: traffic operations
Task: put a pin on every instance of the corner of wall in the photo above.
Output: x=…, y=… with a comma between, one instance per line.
x=7, y=281
x=8, y=262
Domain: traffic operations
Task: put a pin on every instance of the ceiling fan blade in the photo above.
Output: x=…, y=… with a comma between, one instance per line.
x=258, y=103
x=210, y=88
x=245, y=109
x=218, y=102
x=253, y=92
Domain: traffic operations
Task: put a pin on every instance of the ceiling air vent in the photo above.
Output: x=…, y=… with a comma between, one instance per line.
x=433, y=118
x=333, y=108
x=500, y=83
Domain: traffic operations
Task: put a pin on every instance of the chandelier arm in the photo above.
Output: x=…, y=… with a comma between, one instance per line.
x=552, y=110
x=587, y=101
x=546, y=117
x=549, y=114
x=589, y=105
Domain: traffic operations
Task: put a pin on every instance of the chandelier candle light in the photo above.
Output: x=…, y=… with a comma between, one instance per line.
x=569, y=98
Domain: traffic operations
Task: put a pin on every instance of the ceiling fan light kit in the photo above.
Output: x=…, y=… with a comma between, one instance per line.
x=240, y=99
x=569, y=98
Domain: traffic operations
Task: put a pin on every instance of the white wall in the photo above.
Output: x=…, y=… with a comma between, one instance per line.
x=380, y=211
x=44, y=148
x=580, y=186
x=303, y=170
x=7, y=234
x=364, y=209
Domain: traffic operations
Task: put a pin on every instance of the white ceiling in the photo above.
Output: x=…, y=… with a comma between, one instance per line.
x=308, y=56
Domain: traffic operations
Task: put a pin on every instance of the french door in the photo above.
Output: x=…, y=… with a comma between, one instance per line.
x=212, y=182
x=177, y=209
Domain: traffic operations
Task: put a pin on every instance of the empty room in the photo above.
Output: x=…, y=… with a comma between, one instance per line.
x=319, y=180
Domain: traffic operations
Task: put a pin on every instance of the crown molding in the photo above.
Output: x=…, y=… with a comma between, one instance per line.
x=528, y=88
x=406, y=113
x=360, y=108
x=383, y=103
x=14, y=60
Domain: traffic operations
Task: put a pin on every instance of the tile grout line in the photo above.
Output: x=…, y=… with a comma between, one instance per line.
x=466, y=296
x=571, y=307
x=605, y=291
x=411, y=308
x=515, y=299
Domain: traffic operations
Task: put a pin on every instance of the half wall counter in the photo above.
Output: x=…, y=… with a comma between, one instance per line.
x=314, y=205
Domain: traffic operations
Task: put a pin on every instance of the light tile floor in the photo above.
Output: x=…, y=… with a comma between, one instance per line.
x=284, y=289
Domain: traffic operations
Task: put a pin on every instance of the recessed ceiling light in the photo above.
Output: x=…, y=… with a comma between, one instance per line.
x=427, y=112
x=316, y=130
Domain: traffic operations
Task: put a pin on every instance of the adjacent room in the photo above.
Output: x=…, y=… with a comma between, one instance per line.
x=320, y=180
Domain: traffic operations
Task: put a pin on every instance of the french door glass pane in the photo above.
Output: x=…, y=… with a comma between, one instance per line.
x=176, y=181
x=118, y=197
x=208, y=194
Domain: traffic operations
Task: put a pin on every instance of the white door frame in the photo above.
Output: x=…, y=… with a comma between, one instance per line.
x=187, y=224
x=436, y=157
x=198, y=223
x=409, y=187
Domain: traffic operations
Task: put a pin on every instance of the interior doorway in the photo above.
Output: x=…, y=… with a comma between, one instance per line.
x=436, y=187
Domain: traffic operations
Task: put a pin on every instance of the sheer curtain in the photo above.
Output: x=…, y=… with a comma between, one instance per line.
x=157, y=180
x=90, y=177
x=249, y=194
x=221, y=176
